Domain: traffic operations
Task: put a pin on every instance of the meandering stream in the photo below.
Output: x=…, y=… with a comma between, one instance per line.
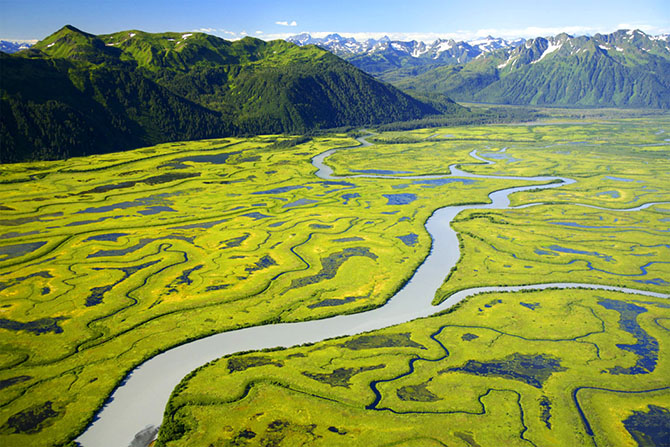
x=136, y=407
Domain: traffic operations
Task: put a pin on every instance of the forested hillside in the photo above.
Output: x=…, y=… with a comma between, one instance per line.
x=76, y=93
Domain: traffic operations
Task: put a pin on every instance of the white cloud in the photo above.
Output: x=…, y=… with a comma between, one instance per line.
x=30, y=41
x=649, y=29
x=206, y=30
x=285, y=23
x=506, y=33
x=458, y=35
x=269, y=36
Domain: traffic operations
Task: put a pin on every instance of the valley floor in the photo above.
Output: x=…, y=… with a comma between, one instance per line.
x=107, y=260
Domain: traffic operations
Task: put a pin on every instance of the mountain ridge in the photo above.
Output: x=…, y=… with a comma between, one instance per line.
x=379, y=55
x=157, y=87
x=627, y=68
x=13, y=46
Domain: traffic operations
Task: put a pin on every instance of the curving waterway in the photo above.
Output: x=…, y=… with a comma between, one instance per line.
x=135, y=409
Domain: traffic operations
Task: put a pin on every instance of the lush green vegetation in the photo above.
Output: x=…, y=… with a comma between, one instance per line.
x=559, y=242
x=109, y=259
x=567, y=244
x=76, y=93
x=619, y=165
x=472, y=116
x=106, y=260
x=503, y=369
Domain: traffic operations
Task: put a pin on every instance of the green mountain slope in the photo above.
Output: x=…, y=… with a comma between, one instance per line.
x=76, y=93
x=54, y=108
x=622, y=69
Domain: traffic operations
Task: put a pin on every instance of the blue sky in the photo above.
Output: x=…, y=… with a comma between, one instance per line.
x=399, y=19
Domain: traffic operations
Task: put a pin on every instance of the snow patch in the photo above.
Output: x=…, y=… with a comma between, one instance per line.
x=619, y=49
x=507, y=62
x=398, y=47
x=51, y=44
x=443, y=46
x=550, y=49
x=476, y=42
x=503, y=65
x=132, y=35
x=603, y=47
x=186, y=36
x=418, y=52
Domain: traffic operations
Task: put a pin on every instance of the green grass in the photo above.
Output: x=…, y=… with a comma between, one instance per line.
x=571, y=336
x=547, y=244
x=166, y=250
x=144, y=251
x=433, y=401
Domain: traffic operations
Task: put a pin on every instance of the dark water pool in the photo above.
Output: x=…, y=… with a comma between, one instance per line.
x=217, y=159
x=400, y=199
x=111, y=237
x=645, y=347
x=410, y=239
x=299, y=202
x=16, y=250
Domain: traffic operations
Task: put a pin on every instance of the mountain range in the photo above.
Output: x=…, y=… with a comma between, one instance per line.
x=8, y=46
x=377, y=56
x=627, y=68
x=76, y=93
x=622, y=69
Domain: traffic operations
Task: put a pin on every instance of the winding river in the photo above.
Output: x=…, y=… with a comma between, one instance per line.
x=136, y=407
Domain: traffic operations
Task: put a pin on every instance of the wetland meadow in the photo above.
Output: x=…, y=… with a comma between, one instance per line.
x=109, y=260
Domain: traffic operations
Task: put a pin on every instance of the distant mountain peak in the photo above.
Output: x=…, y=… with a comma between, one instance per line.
x=334, y=36
x=8, y=46
x=443, y=51
x=67, y=29
x=71, y=28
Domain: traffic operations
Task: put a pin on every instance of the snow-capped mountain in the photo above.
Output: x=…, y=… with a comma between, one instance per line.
x=340, y=45
x=626, y=68
x=378, y=55
x=489, y=43
x=626, y=47
x=7, y=46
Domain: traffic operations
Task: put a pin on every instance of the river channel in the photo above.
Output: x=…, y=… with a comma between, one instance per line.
x=136, y=406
